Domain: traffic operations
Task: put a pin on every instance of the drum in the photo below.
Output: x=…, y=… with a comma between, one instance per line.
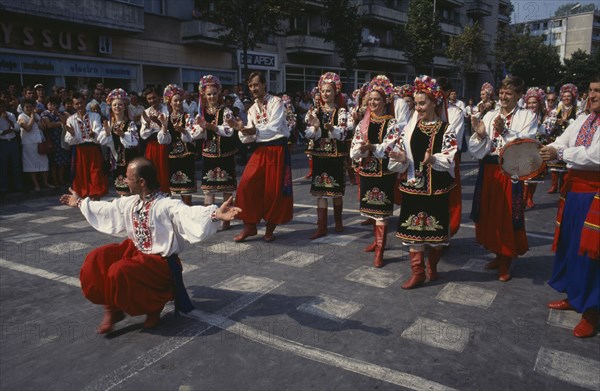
x=521, y=160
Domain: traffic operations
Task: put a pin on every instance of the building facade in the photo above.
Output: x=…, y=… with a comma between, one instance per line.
x=139, y=43
x=568, y=33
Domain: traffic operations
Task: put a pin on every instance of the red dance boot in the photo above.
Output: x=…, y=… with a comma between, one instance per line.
x=310, y=168
x=432, y=262
x=554, y=187
x=504, y=268
x=560, y=305
x=152, y=319
x=268, y=236
x=418, y=272
x=380, y=241
x=111, y=316
x=371, y=247
x=337, y=216
x=587, y=325
x=249, y=230
x=321, y=224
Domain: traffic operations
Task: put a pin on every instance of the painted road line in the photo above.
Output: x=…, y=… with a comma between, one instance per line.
x=373, y=277
x=40, y=273
x=16, y=216
x=152, y=356
x=23, y=238
x=297, y=258
x=78, y=225
x=65, y=247
x=48, y=219
x=336, y=360
x=564, y=319
x=467, y=295
x=568, y=367
x=438, y=334
x=328, y=307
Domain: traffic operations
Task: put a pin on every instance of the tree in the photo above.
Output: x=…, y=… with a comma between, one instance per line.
x=580, y=68
x=467, y=50
x=245, y=23
x=567, y=9
x=344, y=27
x=528, y=57
x=423, y=34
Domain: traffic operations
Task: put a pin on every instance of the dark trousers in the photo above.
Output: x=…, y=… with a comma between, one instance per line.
x=10, y=165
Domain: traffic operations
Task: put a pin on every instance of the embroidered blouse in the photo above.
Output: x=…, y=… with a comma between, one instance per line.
x=156, y=225
x=88, y=129
x=150, y=128
x=270, y=123
x=579, y=144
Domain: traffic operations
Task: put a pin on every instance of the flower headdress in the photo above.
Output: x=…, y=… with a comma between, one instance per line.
x=170, y=91
x=488, y=89
x=430, y=87
x=383, y=85
x=537, y=93
x=209, y=80
x=407, y=90
x=117, y=93
x=569, y=88
x=331, y=78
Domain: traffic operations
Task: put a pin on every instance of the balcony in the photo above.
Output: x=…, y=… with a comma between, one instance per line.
x=108, y=14
x=479, y=8
x=199, y=31
x=450, y=28
x=308, y=44
x=382, y=14
x=379, y=54
x=505, y=3
x=452, y=3
x=504, y=18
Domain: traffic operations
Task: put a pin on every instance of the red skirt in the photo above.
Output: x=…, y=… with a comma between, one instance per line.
x=260, y=192
x=495, y=229
x=90, y=179
x=455, y=200
x=120, y=276
x=158, y=154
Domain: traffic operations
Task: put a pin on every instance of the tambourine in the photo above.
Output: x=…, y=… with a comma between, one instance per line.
x=521, y=160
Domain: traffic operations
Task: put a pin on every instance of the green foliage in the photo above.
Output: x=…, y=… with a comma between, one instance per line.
x=467, y=49
x=423, y=34
x=245, y=23
x=580, y=68
x=566, y=9
x=344, y=28
x=528, y=57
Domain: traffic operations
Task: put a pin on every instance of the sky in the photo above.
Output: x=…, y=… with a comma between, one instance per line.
x=526, y=10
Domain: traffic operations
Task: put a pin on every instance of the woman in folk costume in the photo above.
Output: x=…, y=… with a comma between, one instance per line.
x=535, y=101
x=373, y=140
x=487, y=102
x=176, y=133
x=425, y=151
x=327, y=124
x=565, y=115
x=218, y=145
x=124, y=135
x=497, y=201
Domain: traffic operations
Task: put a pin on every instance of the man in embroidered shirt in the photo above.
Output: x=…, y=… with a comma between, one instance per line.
x=138, y=276
x=576, y=269
x=497, y=207
x=85, y=132
x=265, y=189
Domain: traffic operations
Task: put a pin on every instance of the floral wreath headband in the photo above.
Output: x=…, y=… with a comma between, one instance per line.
x=314, y=92
x=427, y=85
x=209, y=80
x=537, y=93
x=488, y=89
x=117, y=93
x=404, y=90
x=170, y=91
x=382, y=84
x=569, y=88
x=331, y=78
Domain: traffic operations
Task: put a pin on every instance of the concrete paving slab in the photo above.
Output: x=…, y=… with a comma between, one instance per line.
x=467, y=295
x=438, y=334
x=564, y=319
x=330, y=308
x=371, y=276
x=297, y=258
x=568, y=367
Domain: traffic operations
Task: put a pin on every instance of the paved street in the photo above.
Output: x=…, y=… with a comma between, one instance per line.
x=292, y=314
